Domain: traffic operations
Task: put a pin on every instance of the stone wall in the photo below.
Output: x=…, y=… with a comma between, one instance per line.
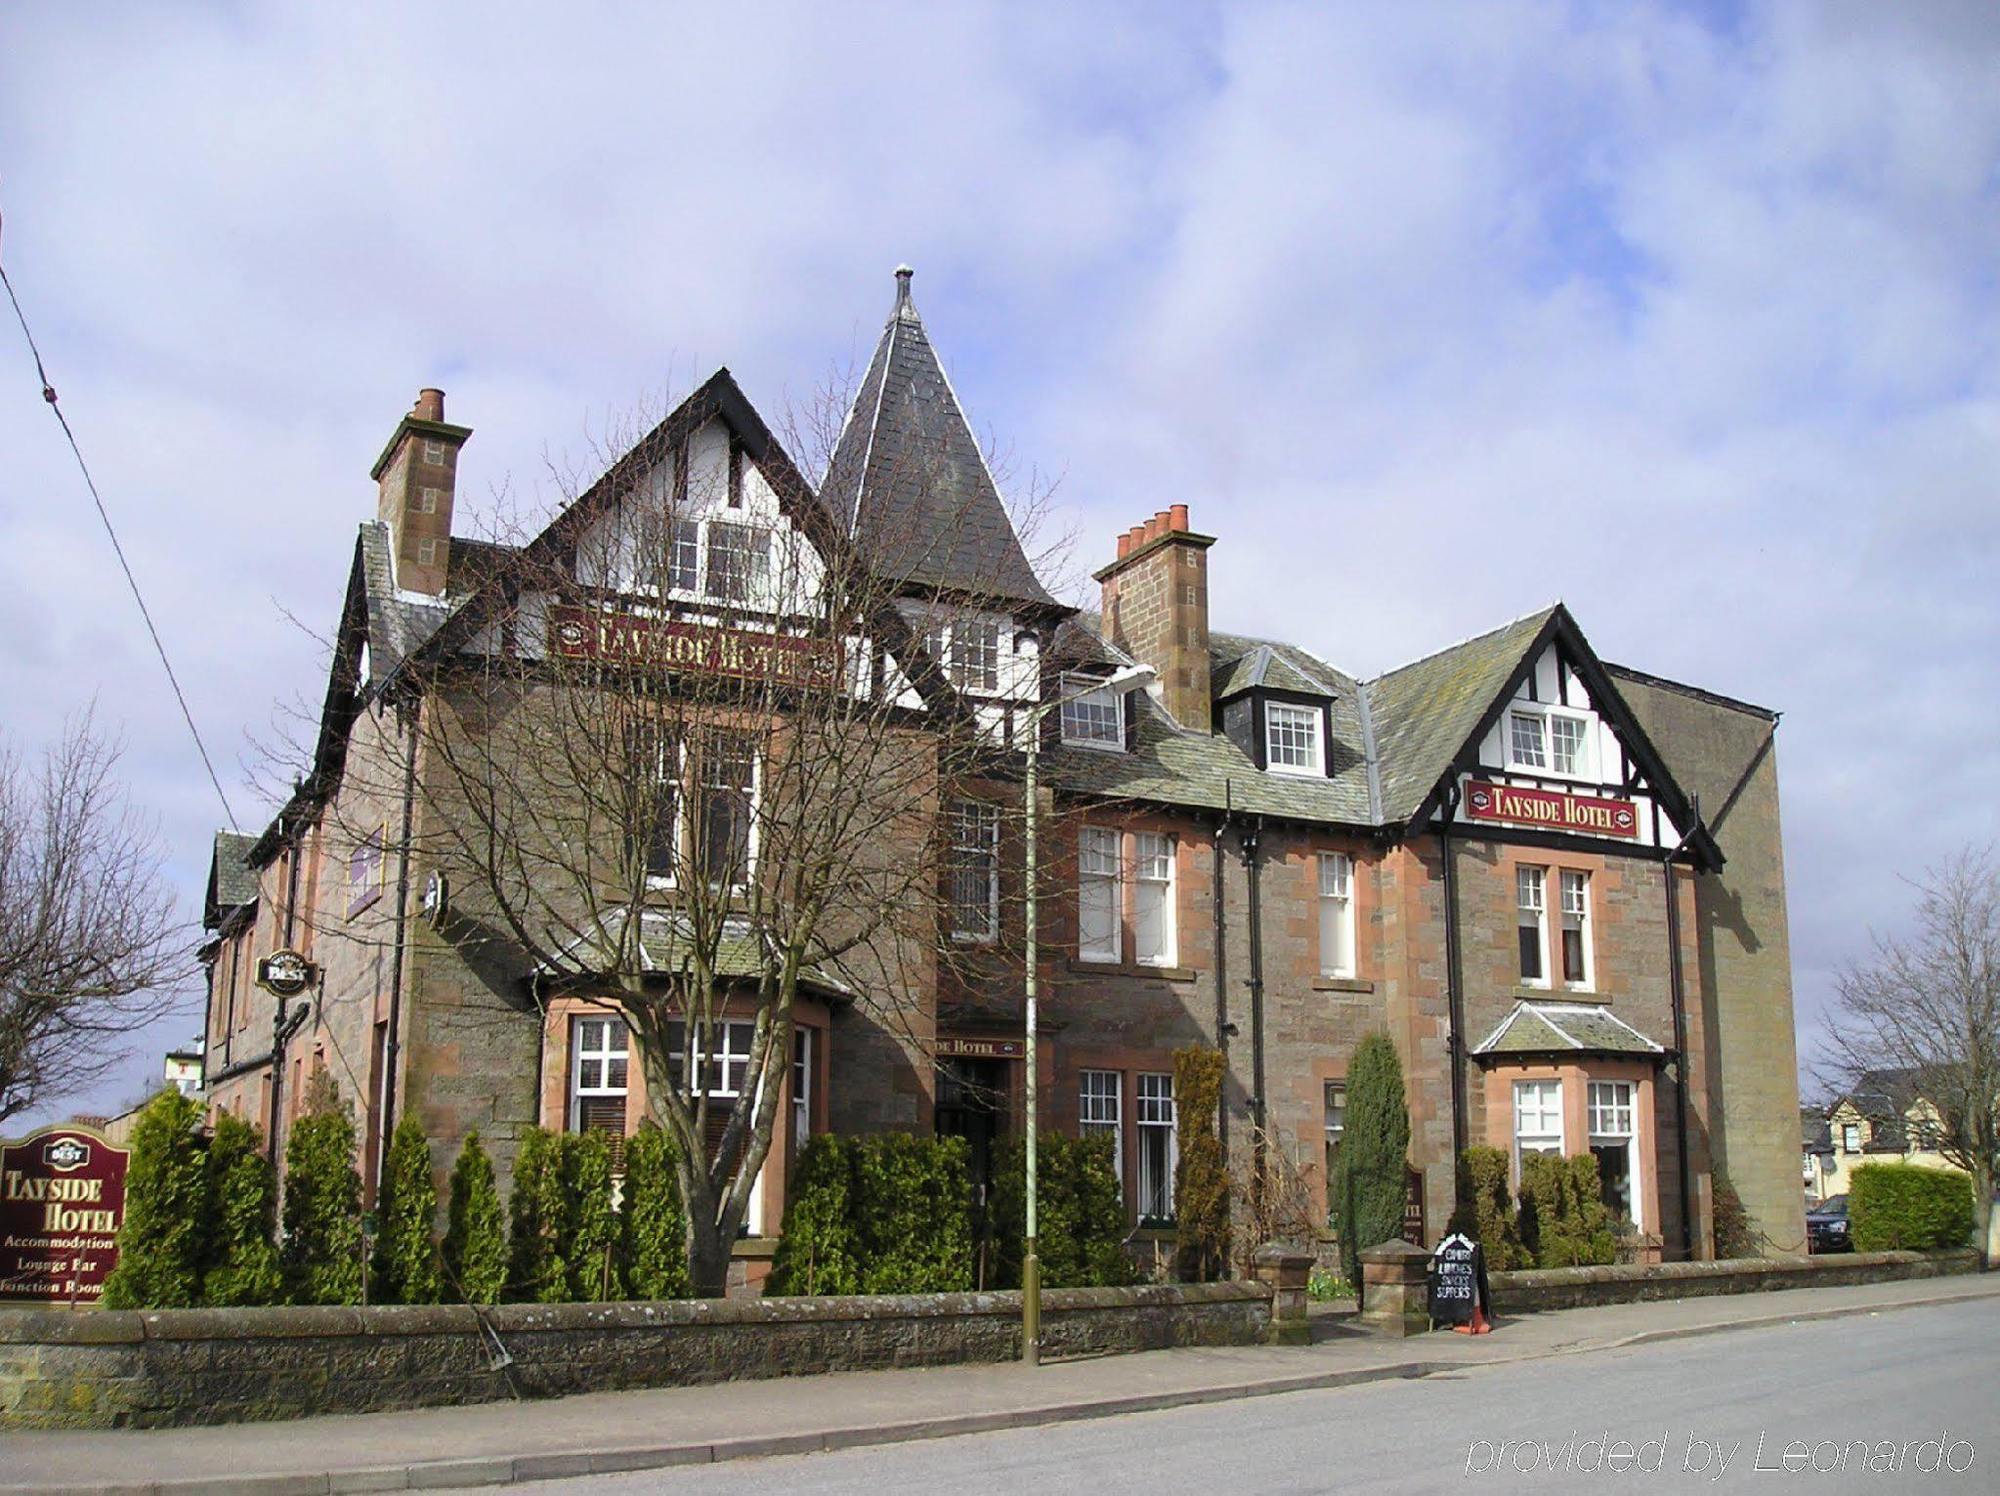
x=186, y=1366
x=1583, y=1287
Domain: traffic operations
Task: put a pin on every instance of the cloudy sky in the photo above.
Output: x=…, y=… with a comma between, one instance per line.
x=1686, y=314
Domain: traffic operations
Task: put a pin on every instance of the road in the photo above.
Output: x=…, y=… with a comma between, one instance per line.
x=1876, y=1390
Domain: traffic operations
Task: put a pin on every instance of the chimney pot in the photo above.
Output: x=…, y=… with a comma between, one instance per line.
x=1137, y=535
x=1124, y=544
x=1153, y=527
x=429, y=406
x=1178, y=517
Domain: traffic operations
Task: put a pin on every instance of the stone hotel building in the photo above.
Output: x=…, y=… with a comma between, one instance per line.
x=1555, y=881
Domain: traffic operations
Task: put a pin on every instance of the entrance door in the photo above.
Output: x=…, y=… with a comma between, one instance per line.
x=972, y=1103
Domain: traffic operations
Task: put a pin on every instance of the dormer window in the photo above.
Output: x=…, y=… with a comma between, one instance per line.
x=1292, y=739
x=1545, y=739
x=1092, y=719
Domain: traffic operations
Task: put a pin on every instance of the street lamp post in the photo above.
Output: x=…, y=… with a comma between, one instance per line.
x=1131, y=678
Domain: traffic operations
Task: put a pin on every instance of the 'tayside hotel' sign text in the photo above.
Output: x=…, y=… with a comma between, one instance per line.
x=618, y=637
x=1551, y=810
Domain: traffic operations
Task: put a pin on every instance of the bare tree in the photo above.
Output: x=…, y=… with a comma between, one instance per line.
x=1927, y=1005
x=697, y=755
x=91, y=948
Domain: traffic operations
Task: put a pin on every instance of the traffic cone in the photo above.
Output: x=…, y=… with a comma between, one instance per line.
x=1479, y=1324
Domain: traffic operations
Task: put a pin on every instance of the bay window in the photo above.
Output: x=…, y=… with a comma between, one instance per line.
x=1336, y=914
x=600, y=1050
x=1538, y=1119
x=1614, y=1143
x=1157, y=1149
x=1099, y=1095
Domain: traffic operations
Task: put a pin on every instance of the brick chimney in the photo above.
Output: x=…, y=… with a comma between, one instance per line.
x=1156, y=608
x=417, y=475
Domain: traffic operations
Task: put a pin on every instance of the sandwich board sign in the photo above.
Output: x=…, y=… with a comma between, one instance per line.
x=62, y=1200
x=1458, y=1284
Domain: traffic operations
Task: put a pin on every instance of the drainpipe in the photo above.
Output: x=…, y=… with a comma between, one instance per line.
x=1680, y=1052
x=280, y=1028
x=1254, y=907
x=393, y=1047
x=1454, y=980
x=1222, y=970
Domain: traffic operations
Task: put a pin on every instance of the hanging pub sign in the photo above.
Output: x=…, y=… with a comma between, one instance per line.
x=62, y=1199
x=1459, y=1294
x=286, y=973
x=1586, y=815
x=621, y=638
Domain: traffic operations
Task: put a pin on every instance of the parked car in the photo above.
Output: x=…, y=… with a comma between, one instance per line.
x=1826, y=1226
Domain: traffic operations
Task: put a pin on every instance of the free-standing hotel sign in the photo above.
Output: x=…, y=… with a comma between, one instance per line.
x=622, y=638
x=62, y=1199
x=1458, y=1282
x=1586, y=815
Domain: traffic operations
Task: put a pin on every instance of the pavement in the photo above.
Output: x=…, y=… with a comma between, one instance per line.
x=513, y=1442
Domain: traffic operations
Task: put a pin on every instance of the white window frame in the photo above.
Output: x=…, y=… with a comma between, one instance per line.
x=1100, y=865
x=1333, y=1128
x=695, y=796
x=1092, y=719
x=1542, y=1089
x=673, y=775
x=1574, y=885
x=1100, y=1107
x=1527, y=878
x=1541, y=717
x=427, y=552
x=974, y=658
x=1153, y=878
x=1850, y=1137
x=613, y=1041
x=757, y=547
x=1336, y=915
x=1153, y=1093
x=1309, y=714
x=1612, y=1113
x=434, y=453
x=974, y=832
x=684, y=555
x=427, y=500
x=802, y=1071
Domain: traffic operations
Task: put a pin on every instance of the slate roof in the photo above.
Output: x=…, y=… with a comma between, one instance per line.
x=1558, y=1027
x=1425, y=711
x=232, y=882
x=662, y=933
x=1172, y=765
x=398, y=622
x=1269, y=666
x=1815, y=1132
x=909, y=482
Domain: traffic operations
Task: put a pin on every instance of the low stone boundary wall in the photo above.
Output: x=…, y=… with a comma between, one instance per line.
x=1581, y=1287
x=105, y=1368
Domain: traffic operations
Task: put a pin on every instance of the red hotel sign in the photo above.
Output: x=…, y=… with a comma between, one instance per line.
x=632, y=638
x=62, y=1199
x=1586, y=815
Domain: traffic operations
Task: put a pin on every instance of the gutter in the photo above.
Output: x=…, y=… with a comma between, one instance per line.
x=1253, y=865
x=1222, y=970
x=1679, y=995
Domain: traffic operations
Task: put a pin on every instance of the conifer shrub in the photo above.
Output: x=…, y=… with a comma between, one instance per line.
x=1201, y=1177
x=820, y=1251
x=1734, y=1236
x=1485, y=1210
x=1080, y=1214
x=162, y=1240
x=913, y=1213
x=590, y=1224
x=652, y=1225
x=537, y=1221
x=475, y=1238
x=322, y=1249
x=406, y=1253
x=241, y=1261
x=1564, y=1220
x=1367, y=1188
x=1910, y=1208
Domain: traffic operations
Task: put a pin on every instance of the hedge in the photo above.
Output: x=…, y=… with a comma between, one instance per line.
x=913, y=1202
x=820, y=1250
x=240, y=1266
x=322, y=1250
x=1485, y=1210
x=475, y=1238
x=1907, y=1207
x=652, y=1223
x=1201, y=1177
x=538, y=1211
x=1368, y=1184
x=1080, y=1214
x=405, y=1270
x=1564, y=1220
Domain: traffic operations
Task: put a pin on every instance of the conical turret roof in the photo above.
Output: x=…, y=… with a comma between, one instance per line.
x=909, y=483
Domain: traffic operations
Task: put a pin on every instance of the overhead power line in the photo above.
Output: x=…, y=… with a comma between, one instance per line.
x=159, y=648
